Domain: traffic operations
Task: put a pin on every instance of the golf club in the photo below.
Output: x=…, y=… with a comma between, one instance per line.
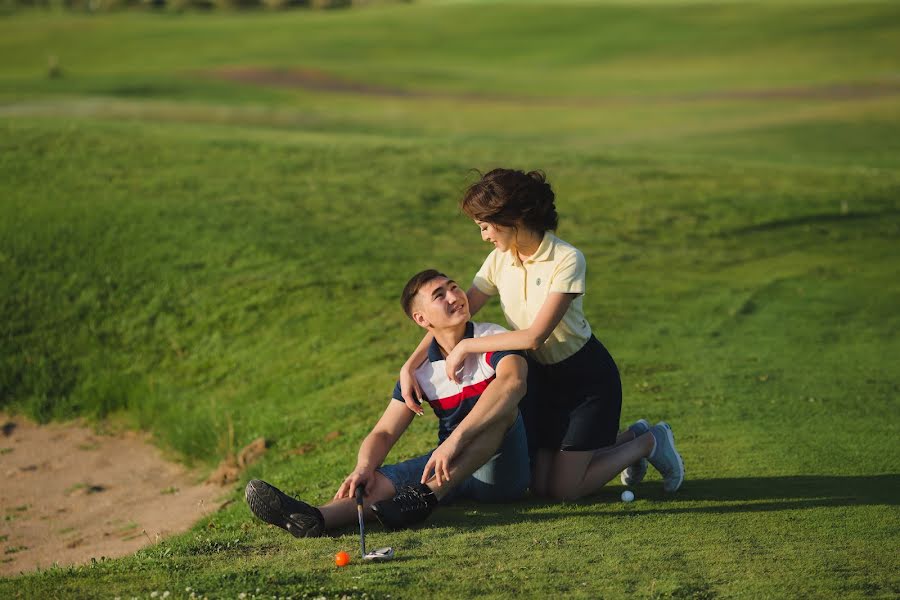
x=379, y=553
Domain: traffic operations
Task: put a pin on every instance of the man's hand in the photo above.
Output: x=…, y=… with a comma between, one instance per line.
x=412, y=393
x=439, y=463
x=360, y=477
x=455, y=361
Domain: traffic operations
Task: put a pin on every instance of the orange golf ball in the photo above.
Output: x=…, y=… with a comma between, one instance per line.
x=341, y=559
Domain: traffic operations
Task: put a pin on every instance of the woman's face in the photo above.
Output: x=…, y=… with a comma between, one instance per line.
x=501, y=237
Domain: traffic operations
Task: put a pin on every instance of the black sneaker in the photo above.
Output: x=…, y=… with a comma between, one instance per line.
x=411, y=505
x=277, y=508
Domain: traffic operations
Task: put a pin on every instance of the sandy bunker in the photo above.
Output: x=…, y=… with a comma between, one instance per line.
x=70, y=494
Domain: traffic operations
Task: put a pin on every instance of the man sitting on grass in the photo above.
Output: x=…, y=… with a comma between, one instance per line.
x=482, y=453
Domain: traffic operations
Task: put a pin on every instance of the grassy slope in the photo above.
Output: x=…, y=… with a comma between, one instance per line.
x=197, y=258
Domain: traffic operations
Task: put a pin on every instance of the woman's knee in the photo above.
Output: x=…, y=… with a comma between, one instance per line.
x=561, y=492
x=540, y=473
x=539, y=491
x=566, y=481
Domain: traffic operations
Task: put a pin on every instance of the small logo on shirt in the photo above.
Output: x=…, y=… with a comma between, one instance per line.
x=538, y=282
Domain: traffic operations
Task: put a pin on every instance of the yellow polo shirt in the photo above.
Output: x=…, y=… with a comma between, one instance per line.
x=557, y=266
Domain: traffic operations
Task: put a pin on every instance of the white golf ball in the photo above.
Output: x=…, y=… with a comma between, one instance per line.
x=627, y=496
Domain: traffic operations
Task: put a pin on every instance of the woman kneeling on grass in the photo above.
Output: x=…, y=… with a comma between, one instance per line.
x=574, y=399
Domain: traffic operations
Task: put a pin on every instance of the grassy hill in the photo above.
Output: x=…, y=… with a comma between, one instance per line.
x=215, y=260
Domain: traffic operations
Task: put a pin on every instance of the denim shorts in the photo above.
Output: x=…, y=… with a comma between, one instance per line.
x=503, y=478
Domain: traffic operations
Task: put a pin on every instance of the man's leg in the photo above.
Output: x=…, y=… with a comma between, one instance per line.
x=505, y=477
x=275, y=507
x=339, y=513
x=302, y=520
x=474, y=455
x=414, y=503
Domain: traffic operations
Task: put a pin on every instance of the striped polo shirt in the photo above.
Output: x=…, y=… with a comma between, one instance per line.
x=452, y=401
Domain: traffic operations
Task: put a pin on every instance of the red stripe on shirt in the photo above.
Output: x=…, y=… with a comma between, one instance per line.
x=469, y=391
x=487, y=359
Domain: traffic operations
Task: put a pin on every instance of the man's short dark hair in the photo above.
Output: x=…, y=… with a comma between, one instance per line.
x=414, y=285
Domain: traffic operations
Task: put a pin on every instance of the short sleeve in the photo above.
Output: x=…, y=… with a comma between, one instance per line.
x=398, y=393
x=494, y=358
x=569, y=277
x=485, y=279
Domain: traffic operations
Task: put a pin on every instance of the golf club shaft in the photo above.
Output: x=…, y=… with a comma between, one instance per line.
x=362, y=526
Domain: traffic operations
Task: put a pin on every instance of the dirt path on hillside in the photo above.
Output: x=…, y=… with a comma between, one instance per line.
x=70, y=494
x=322, y=81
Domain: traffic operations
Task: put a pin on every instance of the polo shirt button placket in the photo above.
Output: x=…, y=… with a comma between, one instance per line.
x=524, y=283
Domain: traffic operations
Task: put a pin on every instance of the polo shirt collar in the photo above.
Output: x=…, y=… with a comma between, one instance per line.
x=434, y=350
x=543, y=253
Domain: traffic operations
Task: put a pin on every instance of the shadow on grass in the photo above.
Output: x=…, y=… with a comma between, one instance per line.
x=811, y=220
x=712, y=496
x=849, y=489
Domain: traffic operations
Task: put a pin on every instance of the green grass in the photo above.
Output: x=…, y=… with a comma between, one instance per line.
x=195, y=258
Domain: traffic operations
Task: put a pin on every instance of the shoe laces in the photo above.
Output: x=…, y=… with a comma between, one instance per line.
x=410, y=499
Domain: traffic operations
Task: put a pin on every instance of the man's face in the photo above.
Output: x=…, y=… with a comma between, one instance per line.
x=441, y=303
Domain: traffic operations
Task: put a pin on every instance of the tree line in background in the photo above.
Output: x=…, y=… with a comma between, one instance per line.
x=92, y=6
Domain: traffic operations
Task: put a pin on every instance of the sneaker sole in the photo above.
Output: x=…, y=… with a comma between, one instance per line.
x=637, y=480
x=265, y=502
x=671, y=437
x=630, y=482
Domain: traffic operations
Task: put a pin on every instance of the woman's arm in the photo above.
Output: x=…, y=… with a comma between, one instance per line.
x=531, y=338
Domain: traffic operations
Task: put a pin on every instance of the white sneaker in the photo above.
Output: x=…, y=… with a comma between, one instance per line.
x=634, y=474
x=665, y=457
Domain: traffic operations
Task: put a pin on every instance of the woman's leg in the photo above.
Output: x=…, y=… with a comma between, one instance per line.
x=621, y=438
x=580, y=401
x=574, y=474
x=540, y=474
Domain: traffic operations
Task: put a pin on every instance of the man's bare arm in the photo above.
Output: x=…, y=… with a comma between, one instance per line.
x=500, y=398
x=376, y=446
x=497, y=406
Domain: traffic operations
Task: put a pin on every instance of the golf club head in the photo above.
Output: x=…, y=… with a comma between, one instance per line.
x=380, y=554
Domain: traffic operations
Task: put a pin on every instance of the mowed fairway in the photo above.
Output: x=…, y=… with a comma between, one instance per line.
x=217, y=260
